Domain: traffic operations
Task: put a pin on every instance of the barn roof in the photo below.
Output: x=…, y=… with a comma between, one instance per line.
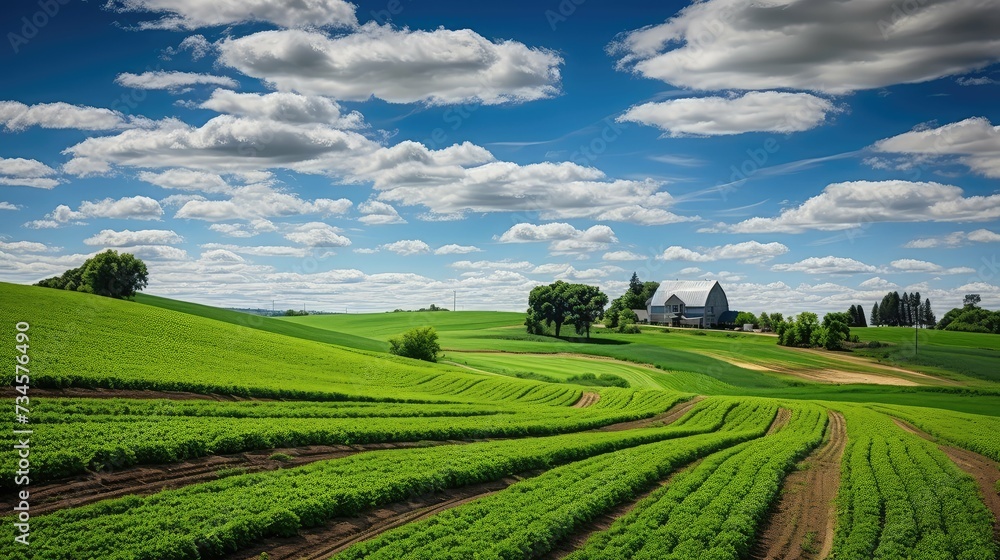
x=694, y=293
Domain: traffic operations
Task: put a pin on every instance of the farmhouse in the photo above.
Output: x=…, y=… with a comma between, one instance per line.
x=692, y=303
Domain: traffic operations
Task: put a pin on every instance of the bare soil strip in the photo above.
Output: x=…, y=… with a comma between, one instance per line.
x=341, y=533
x=780, y=419
x=661, y=419
x=145, y=480
x=802, y=524
x=588, y=399
x=984, y=470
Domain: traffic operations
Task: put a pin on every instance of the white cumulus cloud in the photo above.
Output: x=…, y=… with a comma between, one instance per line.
x=317, y=234
x=975, y=142
x=747, y=251
x=173, y=81
x=767, y=111
x=833, y=47
x=192, y=14
x=407, y=247
x=849, y=205
x=128, y=238
x=397, y=65
x=826, y=265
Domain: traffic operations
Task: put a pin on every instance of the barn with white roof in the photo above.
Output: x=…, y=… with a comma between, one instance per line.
x=692, y=303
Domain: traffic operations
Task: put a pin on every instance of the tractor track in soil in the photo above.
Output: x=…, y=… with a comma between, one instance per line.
x=587, y=399
x=662, y=419
x=806, y=505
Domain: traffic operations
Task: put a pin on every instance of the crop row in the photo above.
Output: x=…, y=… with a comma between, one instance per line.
x=714, y=509
x=103, y=442
x=902, y=498
x=212, y=519
x=60, y=410
x=531, y=517
x=971, y=431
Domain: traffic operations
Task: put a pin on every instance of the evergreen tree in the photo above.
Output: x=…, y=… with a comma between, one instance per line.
x=862, y=322
x=929, y=319
x=634, y=285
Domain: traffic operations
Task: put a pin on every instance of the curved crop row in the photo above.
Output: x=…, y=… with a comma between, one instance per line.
x=215, y=518
x=82, y=443
x=974, y=432
x=528, y=519
x=902, y=498
x=715, y=509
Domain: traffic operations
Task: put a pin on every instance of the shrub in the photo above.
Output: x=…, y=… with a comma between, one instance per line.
x=419, y=343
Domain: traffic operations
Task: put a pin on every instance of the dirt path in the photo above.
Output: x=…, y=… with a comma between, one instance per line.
x=145, y=480
x=661, y=419
x=984, y=470
x=341, y=533
x=802, y=524
x=868, y=363
x=588, y=399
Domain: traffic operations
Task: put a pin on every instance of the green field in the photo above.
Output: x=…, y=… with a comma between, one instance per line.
x=500, y=408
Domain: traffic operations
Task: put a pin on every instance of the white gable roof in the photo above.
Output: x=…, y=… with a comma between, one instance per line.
x=694, y=293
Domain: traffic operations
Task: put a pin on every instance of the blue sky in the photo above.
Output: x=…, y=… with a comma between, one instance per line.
x=387, y=154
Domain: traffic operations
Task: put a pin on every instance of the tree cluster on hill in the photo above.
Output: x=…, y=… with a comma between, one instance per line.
x=419, y=343
x=106, y=274
x=295, y=313
x=971, y=318
x=905, y=310
x=764, y=321
x=619, y=314
x=806, y=331
x=431, y=308
x=562, y=303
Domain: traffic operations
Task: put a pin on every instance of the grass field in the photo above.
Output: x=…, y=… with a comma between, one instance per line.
x=168, y=430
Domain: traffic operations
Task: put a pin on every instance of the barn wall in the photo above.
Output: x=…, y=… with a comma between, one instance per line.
x=719, y=303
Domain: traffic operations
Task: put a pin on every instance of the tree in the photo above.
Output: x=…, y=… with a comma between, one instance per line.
x=971, y=300
x=862, y=322
x=802, y=331
x=875, y=319
x=419, y=343
x=627, y=322
x=548, y=304
x=835, y=331
x=764, y=321
x=745, y=318
x=106, y=274
x=586, y=305
x=775, y=319
x=634, y=285
x=928, y=314
x=614, y=312
x=634, y=298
